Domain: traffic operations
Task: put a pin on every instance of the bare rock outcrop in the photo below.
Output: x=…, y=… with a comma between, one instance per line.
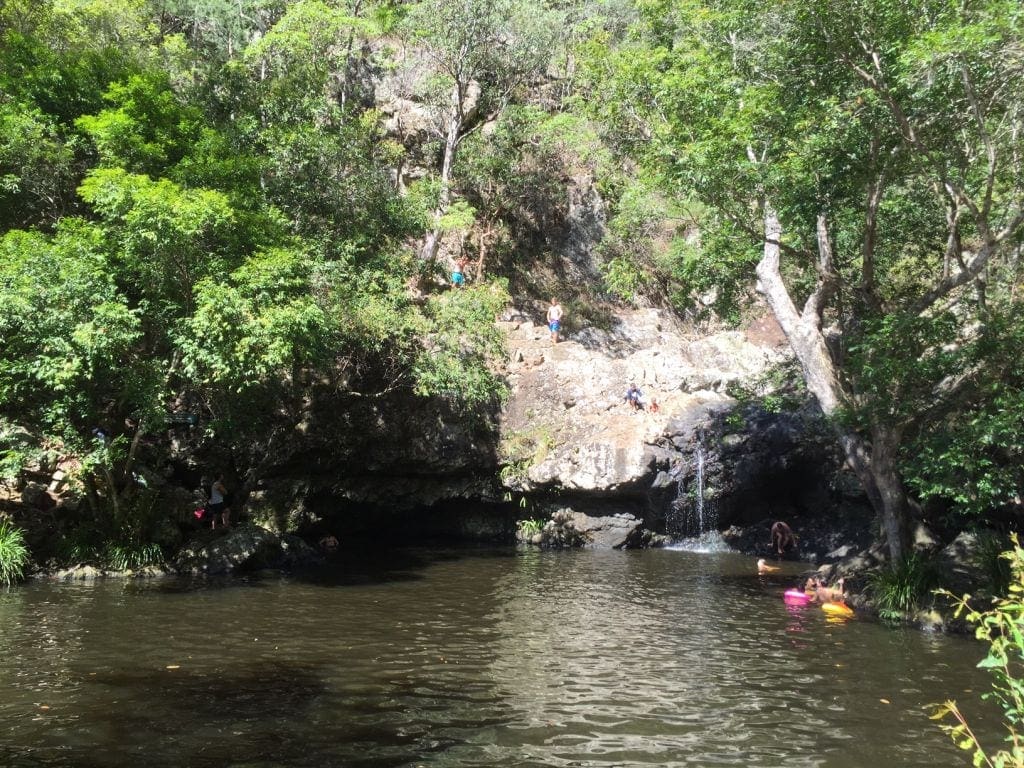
x=569, y=528
x=567, y=426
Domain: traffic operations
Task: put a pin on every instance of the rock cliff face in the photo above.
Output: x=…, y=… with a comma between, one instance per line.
x=565, y=437
x=567, y=425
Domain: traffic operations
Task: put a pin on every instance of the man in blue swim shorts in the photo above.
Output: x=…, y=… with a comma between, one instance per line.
x=554, y=320
x=459, y=273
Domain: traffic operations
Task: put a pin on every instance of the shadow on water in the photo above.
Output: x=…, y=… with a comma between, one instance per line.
x=268, y=714
x=350, y=567
x=188, y=584
x=368, y=566
x=264, y=691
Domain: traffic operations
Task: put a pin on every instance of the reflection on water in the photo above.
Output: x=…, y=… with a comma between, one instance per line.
x=469, y=658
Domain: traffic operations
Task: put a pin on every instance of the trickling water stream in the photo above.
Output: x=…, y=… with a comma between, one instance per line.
x=694, y=521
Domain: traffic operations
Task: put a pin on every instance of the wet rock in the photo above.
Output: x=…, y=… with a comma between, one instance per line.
x=568, y=528
x=79, y=573
x=840, y=552
x=35, y=495
x=961, y=564
x=930, y=620
x=296, y=553
x=246, y=547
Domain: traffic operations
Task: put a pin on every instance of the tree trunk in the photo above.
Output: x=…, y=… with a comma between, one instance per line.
x=874, y=463
x=346, y=79
x=894, y=508
x=482, y=252
x=451, y=143
x=112, y=489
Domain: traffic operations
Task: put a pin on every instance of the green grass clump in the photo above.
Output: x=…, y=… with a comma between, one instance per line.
x=902, y=587
x=13, y=553
x=527, y=529
x=130, y=557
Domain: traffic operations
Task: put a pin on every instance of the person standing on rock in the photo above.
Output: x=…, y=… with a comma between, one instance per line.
x=218, y=505
x=634, y=397
x=554, y=320
x=459, y=273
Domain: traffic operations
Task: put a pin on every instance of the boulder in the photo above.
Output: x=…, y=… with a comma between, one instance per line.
x=296, y=553
x=961, y=564
x=36, y=496
x=79, y=573
x=568, y=528
x=245, y=547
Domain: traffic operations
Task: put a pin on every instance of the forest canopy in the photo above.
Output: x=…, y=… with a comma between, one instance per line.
x=206, y=207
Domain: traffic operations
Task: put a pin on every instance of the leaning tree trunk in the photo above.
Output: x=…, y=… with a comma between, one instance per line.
x=451, y=143
x=874, y=463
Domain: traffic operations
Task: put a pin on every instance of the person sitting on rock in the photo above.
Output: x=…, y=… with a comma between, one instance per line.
x=782, y=537
x=634, y=397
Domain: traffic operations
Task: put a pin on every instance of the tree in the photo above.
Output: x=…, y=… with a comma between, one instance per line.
x=515, y=178
x=70, y=355
x=36, y=167
x=237, y=244
x=871, y=152
x=483, y=51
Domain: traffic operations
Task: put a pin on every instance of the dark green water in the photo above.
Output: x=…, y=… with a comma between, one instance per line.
x=469, y=658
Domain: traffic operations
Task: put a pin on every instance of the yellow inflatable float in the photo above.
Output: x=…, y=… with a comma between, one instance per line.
x=837, y=609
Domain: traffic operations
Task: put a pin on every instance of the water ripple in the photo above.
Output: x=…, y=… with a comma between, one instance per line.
x=663, y=658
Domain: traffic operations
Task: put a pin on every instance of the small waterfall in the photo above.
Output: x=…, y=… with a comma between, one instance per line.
x=695, y=520
x=700, y=484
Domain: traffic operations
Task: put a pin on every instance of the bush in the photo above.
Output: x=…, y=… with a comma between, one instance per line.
x=1000, y=626
x=991, y=559
x=13, y=553
x=527, y=529
x=87, y=545
x=124, y=557
x=901, y=588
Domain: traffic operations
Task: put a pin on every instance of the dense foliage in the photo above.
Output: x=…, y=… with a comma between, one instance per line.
x=206, y=207
x=1001, y=626
x=198, y=218
x=864, y=160
x=13, y=553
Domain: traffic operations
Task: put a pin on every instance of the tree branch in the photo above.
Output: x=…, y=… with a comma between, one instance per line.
x=990, y=150
x=876, y=191
x=828, y=279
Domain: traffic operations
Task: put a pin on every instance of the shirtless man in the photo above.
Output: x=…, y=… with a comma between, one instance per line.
x=459, y=273
x=833, y=594
x=554, y=320
x=782, y=537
